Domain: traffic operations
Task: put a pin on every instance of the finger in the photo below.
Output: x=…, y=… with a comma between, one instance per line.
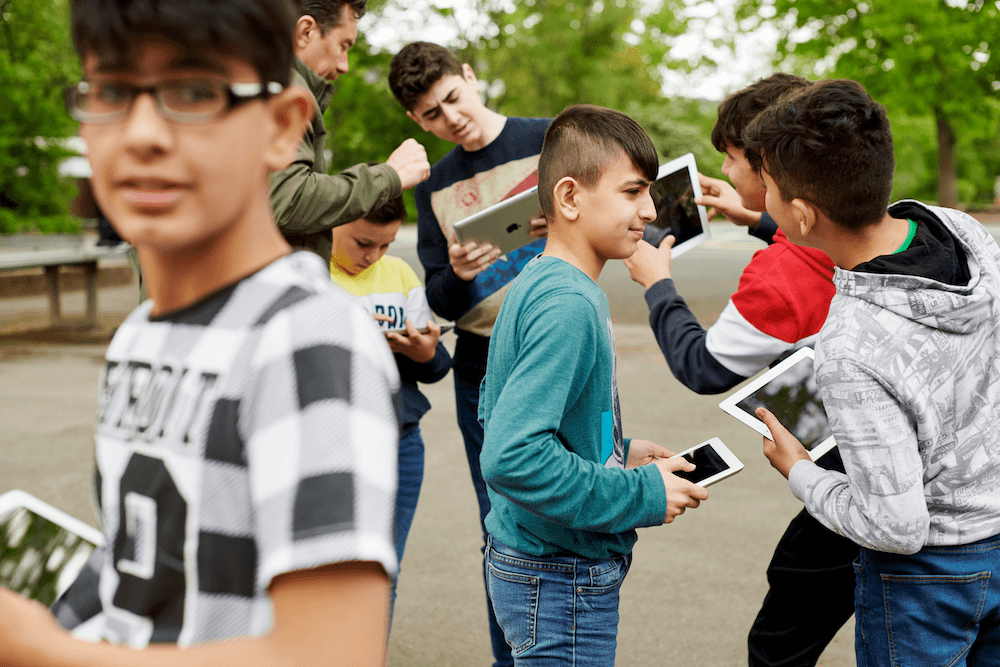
x=411, y=330
x=379, y=317
x=396, y=338
x=659, y=451
x=433, y=327
x=669, y=241
x=711, y=213
x=675, y=463
x=772, y=423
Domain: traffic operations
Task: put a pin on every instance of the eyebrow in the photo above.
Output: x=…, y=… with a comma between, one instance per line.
x=438, y=106
x=636, y=181
x=119, y=63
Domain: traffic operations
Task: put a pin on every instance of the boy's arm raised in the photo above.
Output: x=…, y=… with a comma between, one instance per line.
x=332, y=615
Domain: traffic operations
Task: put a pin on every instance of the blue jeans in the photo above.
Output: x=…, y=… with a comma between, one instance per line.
x=467, y=408
x=411, y=476
x=937, y=607
x=556, y=610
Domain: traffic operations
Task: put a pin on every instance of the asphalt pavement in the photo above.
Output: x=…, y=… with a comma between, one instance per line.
x=695, y=585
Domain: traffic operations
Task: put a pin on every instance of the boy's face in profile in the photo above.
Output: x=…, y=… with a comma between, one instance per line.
x=745, y=180
x=452, y=110
x=167, y=185
x=783, y=212
x=359, y=244
x=615, y=211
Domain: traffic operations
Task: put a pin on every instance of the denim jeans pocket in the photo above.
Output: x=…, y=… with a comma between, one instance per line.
x=607, y=575
x=921, y=612
x=515, y=603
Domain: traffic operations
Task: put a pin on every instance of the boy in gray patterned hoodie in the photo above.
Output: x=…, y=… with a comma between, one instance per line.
x=909, y=368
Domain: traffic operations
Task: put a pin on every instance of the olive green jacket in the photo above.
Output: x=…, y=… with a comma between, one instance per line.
x=308, y=202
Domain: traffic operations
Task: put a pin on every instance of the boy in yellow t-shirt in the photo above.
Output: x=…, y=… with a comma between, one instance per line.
x=388, y=288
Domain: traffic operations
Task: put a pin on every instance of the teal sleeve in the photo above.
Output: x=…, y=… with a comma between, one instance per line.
x=538, y=458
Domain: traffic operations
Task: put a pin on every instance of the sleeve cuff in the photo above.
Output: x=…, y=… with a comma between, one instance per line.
x=804, y=475
x=660, y=291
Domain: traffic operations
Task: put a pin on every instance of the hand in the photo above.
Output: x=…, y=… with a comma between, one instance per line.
x=471, y=259
x=415, y=345
x=681, y=493
x=410, y=162
x=649, y=265
x=785, y=450
x=26, y=629
x=539, y=226
x=721, y=197
x=641, y=452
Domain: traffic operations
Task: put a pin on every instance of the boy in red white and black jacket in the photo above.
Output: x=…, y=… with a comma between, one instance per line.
x=782, y=302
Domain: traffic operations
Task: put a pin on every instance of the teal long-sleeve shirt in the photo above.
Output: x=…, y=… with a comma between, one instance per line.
x=553, y=454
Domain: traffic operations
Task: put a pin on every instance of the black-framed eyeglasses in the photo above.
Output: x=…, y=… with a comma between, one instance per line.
x=189, y=101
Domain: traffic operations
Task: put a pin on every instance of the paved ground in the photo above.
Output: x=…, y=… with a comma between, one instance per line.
x=695, y=585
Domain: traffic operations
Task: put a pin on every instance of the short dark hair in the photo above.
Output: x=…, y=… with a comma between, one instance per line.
x=417, y=67
x=737, y=110
x=830, y=144
x=257, y=31
x=582, y=141
x=328, y=13
x=387, y=213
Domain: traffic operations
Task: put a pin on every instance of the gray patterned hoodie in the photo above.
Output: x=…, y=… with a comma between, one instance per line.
x=909, y=369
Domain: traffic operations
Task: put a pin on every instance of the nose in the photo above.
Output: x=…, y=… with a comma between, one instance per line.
x=146, y=132
x=342, y=64
x=727, y=164
x=450, y=115
x=647, y=211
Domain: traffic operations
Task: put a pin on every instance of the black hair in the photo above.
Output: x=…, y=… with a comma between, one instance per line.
x=417, y=67
x=389, y=212
x=829, y=144
x=257, y=31
x=737, y=110
x=582, y=141
x=328, y=13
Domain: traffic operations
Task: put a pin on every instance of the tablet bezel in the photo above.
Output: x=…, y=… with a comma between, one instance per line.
x=17, y=499
x=726, y=454
x=687, y=161
x=488, y=225
x=730, y=403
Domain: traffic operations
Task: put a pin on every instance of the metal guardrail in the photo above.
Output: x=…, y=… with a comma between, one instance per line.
x=51, y=260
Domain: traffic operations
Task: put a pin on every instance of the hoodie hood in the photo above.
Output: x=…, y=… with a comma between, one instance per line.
x=933, y=303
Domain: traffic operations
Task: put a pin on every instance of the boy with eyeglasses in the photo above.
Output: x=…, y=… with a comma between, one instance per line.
x=246, y=434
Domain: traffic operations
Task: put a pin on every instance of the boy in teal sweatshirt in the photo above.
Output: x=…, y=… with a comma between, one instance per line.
x=567, y=491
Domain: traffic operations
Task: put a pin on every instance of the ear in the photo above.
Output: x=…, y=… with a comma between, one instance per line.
x=306, y=29
x=416, y=119
x=469, y=75
x=806, y=216
x=565, y=198
x=291, y=112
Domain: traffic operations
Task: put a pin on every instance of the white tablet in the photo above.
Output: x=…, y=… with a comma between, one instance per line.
x=673, y=193
x=789, y=391
x=713, y=462
x=506, y=224
x=445, y=327
x=42, y=549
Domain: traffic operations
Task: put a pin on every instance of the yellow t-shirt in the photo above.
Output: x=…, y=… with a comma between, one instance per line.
x=388, y=287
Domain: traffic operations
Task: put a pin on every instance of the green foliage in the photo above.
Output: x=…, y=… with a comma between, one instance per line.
x=36, y=62
x=930, y=59
x=533, y=58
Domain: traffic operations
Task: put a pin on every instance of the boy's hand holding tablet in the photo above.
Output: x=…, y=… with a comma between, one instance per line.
x=785, y=450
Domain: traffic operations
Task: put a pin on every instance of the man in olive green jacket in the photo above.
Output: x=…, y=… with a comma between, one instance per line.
x=308, y=202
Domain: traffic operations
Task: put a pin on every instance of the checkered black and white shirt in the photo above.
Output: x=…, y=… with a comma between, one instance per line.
x=251, y=434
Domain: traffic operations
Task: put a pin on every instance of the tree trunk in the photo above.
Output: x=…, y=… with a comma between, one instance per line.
x=947, y=188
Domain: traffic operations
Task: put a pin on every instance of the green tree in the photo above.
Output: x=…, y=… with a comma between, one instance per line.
x=532, y=58
x=928, y=58
x=36, y=62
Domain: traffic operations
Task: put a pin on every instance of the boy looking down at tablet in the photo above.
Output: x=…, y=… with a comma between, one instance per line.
x=246, y=430
x=495, y=157
x=780, y=305
x=567, y=491
x=909, y=370
x=390, y=291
